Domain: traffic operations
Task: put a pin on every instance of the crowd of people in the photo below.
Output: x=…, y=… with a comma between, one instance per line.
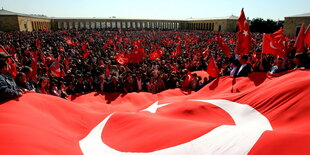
x=75, y=62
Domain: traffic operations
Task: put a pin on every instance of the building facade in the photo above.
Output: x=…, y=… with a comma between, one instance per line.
x=292, y=24
x=226, y=24
x=11, y=21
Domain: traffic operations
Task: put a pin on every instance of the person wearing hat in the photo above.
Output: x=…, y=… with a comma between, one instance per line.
x=8, y=88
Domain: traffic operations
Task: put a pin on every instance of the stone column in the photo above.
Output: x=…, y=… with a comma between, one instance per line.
x=126, y=24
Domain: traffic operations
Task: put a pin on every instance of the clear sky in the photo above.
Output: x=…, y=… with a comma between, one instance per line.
x=167, y=9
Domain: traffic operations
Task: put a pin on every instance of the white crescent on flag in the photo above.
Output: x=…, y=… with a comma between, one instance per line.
x=225, y=139
x=272, y=46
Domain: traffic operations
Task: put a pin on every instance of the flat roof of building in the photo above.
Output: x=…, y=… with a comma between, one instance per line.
x=301, y=15
x=4, y=12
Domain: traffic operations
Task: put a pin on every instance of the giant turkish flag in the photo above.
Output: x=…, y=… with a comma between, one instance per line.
x=259, y=114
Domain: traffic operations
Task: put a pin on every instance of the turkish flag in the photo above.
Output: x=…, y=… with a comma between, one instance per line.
x=243, y=36
x=259, y=114
x=278, y=34
x=34, y=64
x=56, y=71
x=121, y=59
x=271, y=47
x=157, y=54
x=307, y=35
x=280, y=40
x=223, y=46
x=136, y=55
x=188, y=79
x=154, y=56
x=206, y=52
x=300, y=40
x=212, y=68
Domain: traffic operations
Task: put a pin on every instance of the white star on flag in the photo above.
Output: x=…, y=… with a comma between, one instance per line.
x=245, y=33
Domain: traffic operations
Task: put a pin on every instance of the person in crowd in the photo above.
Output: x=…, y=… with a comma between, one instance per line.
x=54, y=89
x=138, y=83
x=29, y=77
x=21, y=82
x=302, y=60
x=160, y=84
x=114, y=85
x=235, y=65
x=101, y=84
x=62, y=90
x=194, y=83
x=89, y=86
x=8, y=87
x=151, y=86
x=70, y=89
x=80, y=85
x=279, y=67
x=245, y=69
x=43, y=86
x=129, y=84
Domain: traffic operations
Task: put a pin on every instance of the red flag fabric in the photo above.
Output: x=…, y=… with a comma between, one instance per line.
x=259, y=114
x=300, y=42
x=173, y=54
x=187, y=80
x=121, y=59
x=86, y=54
x=278, y=34
x=136, y=56
x=157, y=54
x=212, y=68
x=271, y=47
x=84, y=46
x=69, y=41
x=34, y=64
x=307, y=35
x=56, y=71
x=38, y=44
x=207, y=52
x=154, y=56
x=243, y=36
x=10, y=61
x=223, y=46
x=62, y=49
x=176, y=52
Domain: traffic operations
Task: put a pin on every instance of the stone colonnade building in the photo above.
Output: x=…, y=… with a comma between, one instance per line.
x=226, y=24
x=11, y=21
x=292, y=24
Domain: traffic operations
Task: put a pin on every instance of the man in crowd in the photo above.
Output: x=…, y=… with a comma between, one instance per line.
x=8, y=88
x=279, y=67
x=245, y=69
